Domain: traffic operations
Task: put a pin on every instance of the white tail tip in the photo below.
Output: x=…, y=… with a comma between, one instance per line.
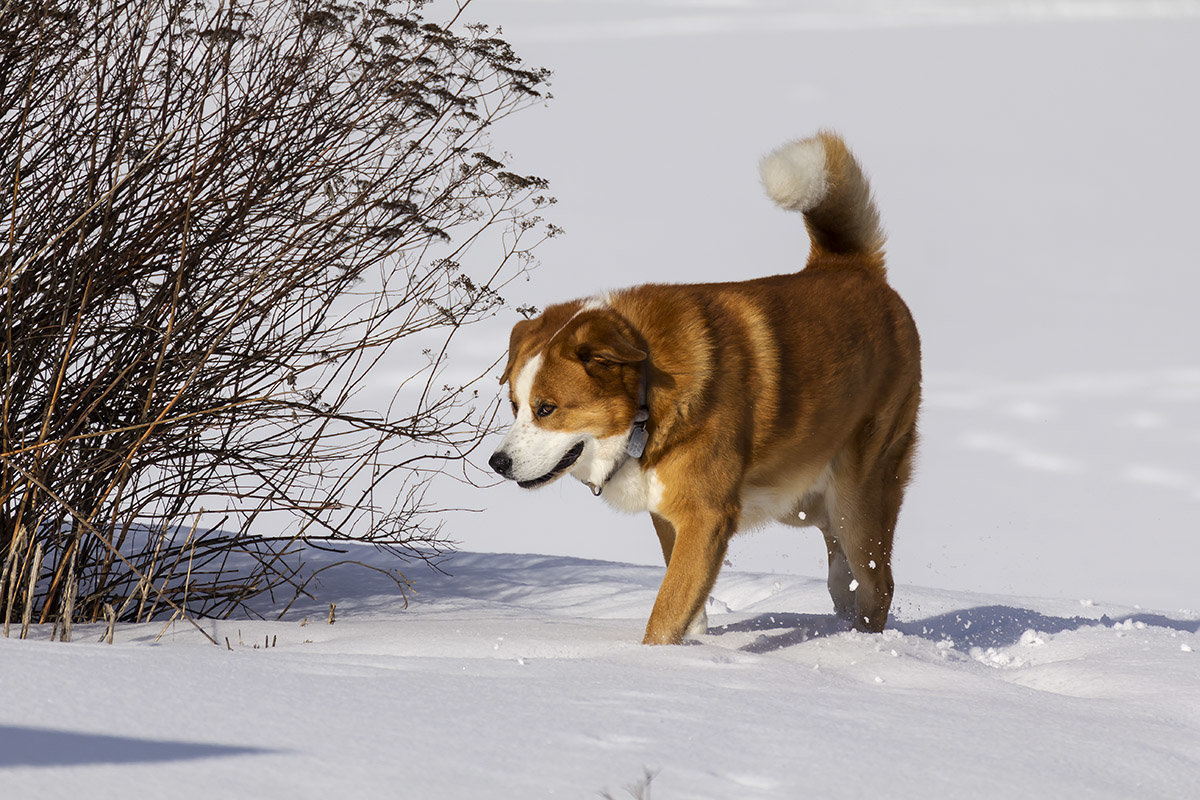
x=795, y=176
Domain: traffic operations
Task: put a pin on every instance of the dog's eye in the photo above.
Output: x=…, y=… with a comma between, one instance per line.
x=546, y=409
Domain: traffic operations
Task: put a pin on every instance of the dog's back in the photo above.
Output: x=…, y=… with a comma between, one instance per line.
x=801, y=364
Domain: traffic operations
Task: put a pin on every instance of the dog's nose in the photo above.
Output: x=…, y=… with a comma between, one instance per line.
x=501, y=462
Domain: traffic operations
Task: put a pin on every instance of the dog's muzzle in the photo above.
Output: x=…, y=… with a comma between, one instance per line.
x=502, y=463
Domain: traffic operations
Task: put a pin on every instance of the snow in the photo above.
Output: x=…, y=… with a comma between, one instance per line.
x=1035, y=167
x=520, y=676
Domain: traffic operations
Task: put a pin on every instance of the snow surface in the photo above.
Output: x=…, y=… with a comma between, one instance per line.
x=1035, y=166
x=520, y=676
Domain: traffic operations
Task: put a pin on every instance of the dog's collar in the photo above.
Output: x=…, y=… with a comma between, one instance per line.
x=637, y=435
x=635, y=445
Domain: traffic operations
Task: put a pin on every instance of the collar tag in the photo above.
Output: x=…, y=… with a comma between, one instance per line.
x=638, y=436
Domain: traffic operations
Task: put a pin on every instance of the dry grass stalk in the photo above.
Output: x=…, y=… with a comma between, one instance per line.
x=10, y=581
x=147, y=582
x=168, y=624
x=639, y=790
x=35, y=571
x=68, y=607
x=110, y=620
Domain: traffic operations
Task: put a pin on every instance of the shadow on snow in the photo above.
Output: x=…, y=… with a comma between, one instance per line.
x=22, y=746
x=983, y=626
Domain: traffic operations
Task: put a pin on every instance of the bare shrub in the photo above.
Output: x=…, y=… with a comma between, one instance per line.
x=218, y=219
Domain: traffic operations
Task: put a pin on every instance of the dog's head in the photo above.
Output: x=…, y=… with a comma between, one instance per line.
x=573, y=375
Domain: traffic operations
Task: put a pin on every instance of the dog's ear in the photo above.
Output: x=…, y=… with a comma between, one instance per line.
x=521, y=330
x=605, y=340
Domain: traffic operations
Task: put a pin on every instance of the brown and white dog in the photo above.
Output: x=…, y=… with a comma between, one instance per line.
x=719, y=407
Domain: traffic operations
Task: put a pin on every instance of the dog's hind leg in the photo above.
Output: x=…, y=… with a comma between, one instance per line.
x=841, y=578
x=864, y=505
x=860, y=551
x=666, y=538
x=813, y=509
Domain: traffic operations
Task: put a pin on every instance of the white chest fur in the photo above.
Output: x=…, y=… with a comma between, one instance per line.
x=633, y=489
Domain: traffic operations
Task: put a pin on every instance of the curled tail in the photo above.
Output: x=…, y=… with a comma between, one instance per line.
x=820, y=178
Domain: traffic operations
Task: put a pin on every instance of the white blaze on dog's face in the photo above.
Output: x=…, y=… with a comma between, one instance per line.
x=539, y=453
x=573, y=388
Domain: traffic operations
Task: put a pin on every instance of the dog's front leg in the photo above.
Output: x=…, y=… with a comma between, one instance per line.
x=666, y=538
x=702, y=537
